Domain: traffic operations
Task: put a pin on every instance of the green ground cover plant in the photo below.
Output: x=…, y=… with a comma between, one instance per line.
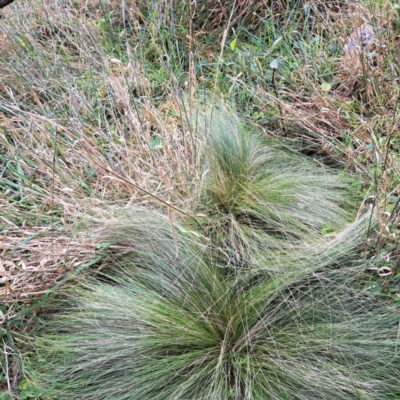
x=262, y=196
x=168, y=323
x=119, y=104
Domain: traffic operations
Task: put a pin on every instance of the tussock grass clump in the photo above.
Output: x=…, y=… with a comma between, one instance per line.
x=95, y=106
x=256, y=188
x=172, y=323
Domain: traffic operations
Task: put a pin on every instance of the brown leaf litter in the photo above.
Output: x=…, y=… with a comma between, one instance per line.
x=34, y=260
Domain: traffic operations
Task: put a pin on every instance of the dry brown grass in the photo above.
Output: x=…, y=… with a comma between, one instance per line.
x=34, y=260
x=59, y=187
x=60, y=161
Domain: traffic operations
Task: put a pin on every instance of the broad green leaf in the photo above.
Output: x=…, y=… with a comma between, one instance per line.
x=393, y=199
x=375, y=289
x=156, y=144
x=325, y=86
x=234, y=44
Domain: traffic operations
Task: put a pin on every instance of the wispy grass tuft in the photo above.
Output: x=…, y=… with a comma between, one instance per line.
x=168, y=323
x=95, y=99
x=258, y=190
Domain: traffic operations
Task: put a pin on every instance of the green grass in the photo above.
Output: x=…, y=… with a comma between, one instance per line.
x=107, y=107
x=162, y=323
x=259, y=192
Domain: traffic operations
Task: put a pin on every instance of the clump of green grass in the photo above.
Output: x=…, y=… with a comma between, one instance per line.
x=258, y=190
x=92, y=113
x=166, y=320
